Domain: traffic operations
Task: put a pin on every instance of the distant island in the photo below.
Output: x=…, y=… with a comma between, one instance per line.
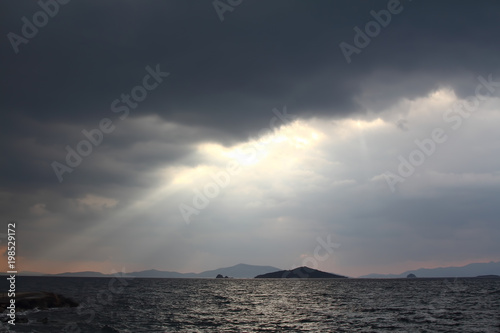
x=300, y=273
x=471, y=271
x=489, y=276
x=489, y=270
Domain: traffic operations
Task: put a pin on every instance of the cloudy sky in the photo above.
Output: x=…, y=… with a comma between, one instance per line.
x=191, y=135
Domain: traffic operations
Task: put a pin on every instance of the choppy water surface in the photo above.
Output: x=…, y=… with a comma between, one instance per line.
x=259, y=305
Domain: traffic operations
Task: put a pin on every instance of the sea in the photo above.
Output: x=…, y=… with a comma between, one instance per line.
x=264, y=305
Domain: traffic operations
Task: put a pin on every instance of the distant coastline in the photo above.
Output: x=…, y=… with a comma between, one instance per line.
x=245, y=271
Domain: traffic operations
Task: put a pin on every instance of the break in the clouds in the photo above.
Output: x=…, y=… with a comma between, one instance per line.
x=264, y=111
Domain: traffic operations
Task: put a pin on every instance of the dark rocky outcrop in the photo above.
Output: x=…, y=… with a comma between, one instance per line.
x=411, y=276
x=109, y=329
x=20, y=320
x=220, y=276
x=300, y=273
x=41, y=300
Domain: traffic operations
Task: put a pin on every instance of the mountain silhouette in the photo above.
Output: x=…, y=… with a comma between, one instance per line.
x=300, y=273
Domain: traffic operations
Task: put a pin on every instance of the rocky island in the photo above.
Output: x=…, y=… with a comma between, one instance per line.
x=300, y=273
x=220, y=276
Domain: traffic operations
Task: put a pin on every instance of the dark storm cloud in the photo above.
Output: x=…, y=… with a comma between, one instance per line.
x=230, y=75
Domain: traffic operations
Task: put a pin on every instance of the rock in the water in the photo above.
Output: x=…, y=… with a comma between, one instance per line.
x=41, y=300
x=411, y=276
x=109, y=329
